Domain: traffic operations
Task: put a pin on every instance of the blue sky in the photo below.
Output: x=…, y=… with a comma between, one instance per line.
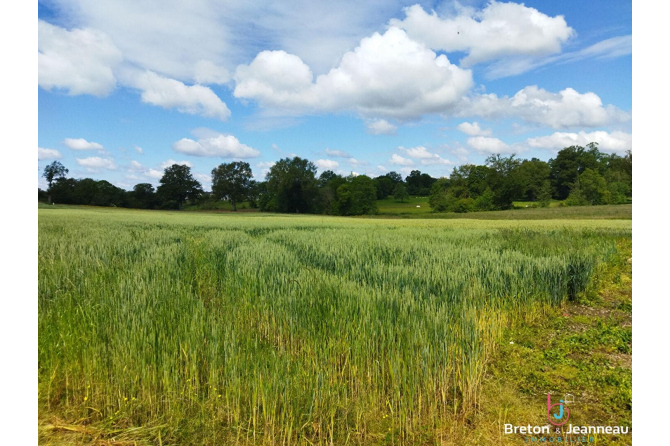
x=126, y=88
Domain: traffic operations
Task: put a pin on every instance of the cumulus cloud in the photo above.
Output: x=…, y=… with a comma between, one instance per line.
x=472, y=129
x=224, y=146
x=81, y=144
x=400, y=161
x=567, y=108
x=136, y=165
x=499, y=30
x=326, y=164
x=170, y=93
x=337, y=153
x=171, y=162
x=80, y=61
x=617, y=142
x=154, y=173
x=388, y=75
x=95, y=162
x=381, y=127
x=427, y=158
x=48, y=154
x=487, y=144
x=139, y=150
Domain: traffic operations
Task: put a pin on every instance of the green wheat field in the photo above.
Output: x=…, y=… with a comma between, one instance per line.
x=222, y=329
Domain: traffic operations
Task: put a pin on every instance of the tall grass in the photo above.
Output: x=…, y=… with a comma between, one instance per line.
x=222, y=329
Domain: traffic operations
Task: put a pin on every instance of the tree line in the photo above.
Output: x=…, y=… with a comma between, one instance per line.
x=578, y=175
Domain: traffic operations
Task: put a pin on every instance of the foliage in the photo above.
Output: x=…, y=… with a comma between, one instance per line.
x=292, y=187
x=54, y=171
x=177, y=186
x=400, y=193
x=232, y=181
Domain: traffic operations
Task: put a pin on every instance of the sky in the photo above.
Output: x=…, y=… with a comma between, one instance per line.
x=127, y=88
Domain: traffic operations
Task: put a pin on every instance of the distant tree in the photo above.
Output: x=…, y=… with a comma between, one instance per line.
x=53, y=172
x=593, y=187
x=364, y=195
x=504, y=180
x=570, y=163
x=143, y=196
x=438, y=199
x=384, y=186
x=544, y=194
x=292, y=186
x=329, y=183
x=419, y=183
x=532, y=176
x=232, y=181
x=177, y=186
x=400, y=193
x=395, y=177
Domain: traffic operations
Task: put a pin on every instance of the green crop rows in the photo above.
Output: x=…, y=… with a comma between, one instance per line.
x=289, y=329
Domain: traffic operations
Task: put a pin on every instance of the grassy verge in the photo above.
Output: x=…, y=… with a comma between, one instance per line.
x=583, y=348
x=621, y=211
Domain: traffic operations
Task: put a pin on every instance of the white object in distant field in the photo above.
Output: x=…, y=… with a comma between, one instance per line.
x=418, y=206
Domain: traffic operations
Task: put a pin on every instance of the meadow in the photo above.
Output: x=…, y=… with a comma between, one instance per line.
x=195, y=328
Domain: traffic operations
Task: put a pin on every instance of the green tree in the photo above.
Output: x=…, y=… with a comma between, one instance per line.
x=143, y=196
x=53, y=172
x=570, y=163
x=544, y=194
x=504, y=180
x=364, y=195
x=400, y=193
x=593, y=187
x=329, y=183
x=532, y=175
x=292, y=186
x=177, y=186
x=232, y=181
x=438, y=200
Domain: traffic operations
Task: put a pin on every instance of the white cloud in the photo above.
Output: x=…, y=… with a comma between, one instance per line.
x=207, y=72
x=609, y=142
x=202, y=177
x=461, y=153
x=326, y=164
x=139, y=150
x=81, y=144
x=605, y=49
x=80, y=61
x=337, y=153
x=265, y=164
x=381, y=127
x=171, y=93
x=171, y=162
x=224, y=146
x=499, y=30
x=95, y=162
x=154, y=173
x=473, y=129
x=400, y=161
x=135, y=165
x=48, y=154
x=417, y=152
x=487, y=144
x=568, y=108
x=427, y=158
x=387, y=75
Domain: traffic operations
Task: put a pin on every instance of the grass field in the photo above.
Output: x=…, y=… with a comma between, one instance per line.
x=182, y=328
